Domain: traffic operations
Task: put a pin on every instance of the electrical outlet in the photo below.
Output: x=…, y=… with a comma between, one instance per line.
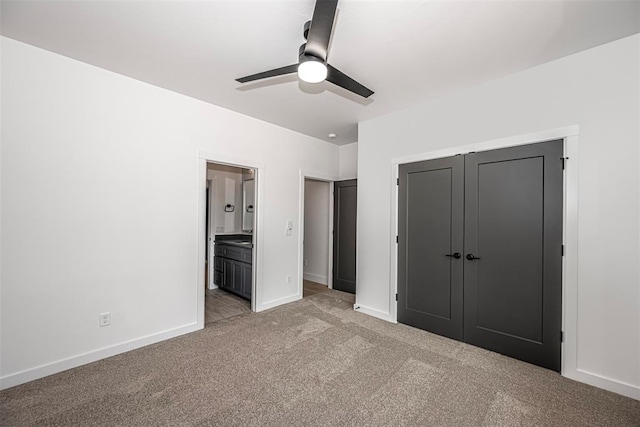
x=220, y=229
x=104, y=319
x=306, y=262
x=288, y=280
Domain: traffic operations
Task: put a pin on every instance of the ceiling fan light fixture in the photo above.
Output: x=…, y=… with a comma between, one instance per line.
x=312, y=69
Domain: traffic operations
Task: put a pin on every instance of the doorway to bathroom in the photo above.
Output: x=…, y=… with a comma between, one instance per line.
x=229, y=251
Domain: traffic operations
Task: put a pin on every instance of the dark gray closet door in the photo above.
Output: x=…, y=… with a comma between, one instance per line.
x=345, y=195
x=430, y=265
x=513, y=262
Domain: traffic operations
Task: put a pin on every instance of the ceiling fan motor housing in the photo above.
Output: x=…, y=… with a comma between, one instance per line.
x=305, y=29
x=302, y=57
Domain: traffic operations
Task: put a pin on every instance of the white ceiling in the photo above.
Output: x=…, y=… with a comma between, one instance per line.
x=405, y=51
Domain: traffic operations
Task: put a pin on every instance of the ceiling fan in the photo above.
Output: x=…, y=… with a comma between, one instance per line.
x=312, y=64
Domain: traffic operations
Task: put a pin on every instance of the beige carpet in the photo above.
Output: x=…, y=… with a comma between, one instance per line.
x=312, y=362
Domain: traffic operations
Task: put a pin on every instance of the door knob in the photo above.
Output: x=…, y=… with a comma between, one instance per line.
x=455, y=255
x=470, y=257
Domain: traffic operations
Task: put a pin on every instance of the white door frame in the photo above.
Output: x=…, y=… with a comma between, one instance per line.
x=317, y=176
x=570, y=227
x=210, y=236
x=258, y=246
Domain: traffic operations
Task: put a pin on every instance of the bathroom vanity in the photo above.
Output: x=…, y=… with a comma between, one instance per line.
x=233, y=269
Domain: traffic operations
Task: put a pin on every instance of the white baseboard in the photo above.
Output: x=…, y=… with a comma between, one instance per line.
x=372, y=312
x=315, y=278
x=277, y=302
x=41, y=371
x=600, y=381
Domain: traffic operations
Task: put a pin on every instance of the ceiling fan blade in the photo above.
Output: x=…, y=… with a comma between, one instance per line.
x=320, y=30
x=271, y=73
x=338, y=78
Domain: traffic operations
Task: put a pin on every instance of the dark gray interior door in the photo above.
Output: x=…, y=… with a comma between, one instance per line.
x=501, y=210
x=344, y=235
x=430, y=245
x=513, y=259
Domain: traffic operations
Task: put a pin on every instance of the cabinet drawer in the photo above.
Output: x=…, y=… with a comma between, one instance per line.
x=233, y=252
x=218, y=249
x=217, y=263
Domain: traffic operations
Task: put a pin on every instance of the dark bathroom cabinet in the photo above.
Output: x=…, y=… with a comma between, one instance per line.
x=232, y=267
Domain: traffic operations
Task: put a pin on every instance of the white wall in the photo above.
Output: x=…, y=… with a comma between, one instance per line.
x=349, y=161
x=316, y=230
x=597, y=90
x=226, y=222
x=100, y=188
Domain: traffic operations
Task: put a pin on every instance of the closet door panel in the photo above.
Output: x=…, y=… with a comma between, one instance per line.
x=430, y=234
x=513, y=264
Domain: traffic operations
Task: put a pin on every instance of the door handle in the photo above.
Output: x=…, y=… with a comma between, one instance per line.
x=470, y=257
x=455, y=255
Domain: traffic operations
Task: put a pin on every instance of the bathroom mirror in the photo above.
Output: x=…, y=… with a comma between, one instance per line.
x=248, y=201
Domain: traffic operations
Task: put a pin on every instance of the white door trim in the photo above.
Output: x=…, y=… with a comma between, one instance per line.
x=318, y=176
x=210, y=234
